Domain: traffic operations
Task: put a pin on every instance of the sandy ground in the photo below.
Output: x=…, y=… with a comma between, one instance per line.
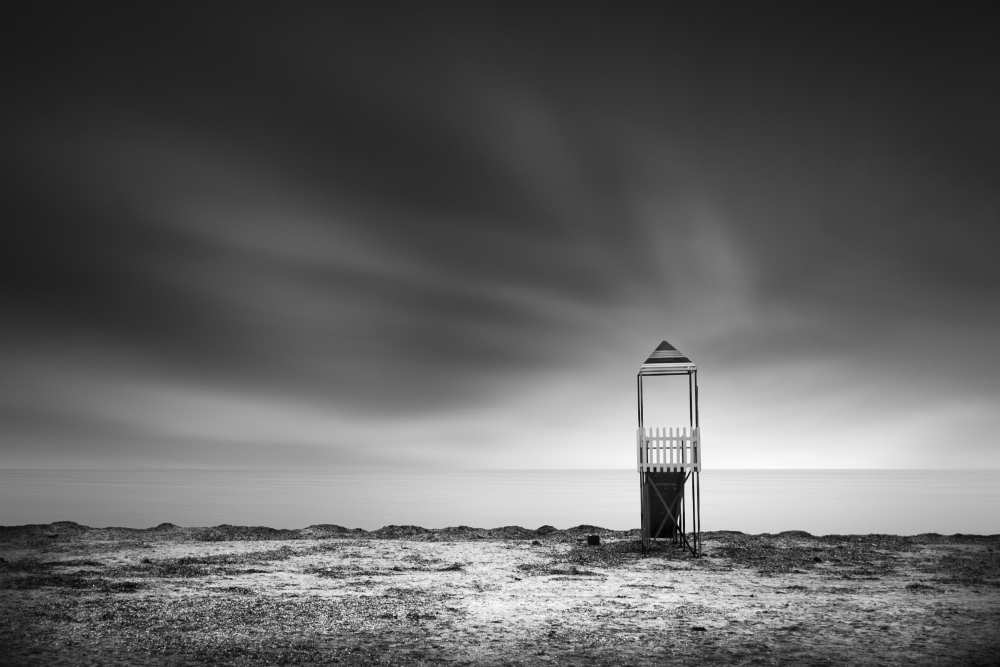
x=70, y=594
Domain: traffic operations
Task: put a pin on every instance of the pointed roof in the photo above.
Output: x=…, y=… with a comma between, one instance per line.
x=666, y=357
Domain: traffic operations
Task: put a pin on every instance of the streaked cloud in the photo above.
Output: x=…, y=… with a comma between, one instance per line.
x=359, y=242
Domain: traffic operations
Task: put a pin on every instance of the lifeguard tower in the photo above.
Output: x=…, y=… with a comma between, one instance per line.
x=669, y=459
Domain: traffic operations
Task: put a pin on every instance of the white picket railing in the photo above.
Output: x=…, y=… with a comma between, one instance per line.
x=668, y=449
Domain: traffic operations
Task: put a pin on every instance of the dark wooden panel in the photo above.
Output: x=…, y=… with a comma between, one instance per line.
x=671, y=487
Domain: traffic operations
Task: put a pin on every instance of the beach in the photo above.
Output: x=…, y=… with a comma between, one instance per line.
x=72, y=594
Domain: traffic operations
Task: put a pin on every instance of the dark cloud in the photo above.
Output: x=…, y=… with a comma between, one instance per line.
x=438, y=220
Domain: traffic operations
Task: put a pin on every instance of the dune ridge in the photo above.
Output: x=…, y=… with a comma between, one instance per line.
x=63, y=530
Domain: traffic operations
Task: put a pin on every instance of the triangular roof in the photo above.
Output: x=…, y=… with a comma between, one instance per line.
x=666, y=357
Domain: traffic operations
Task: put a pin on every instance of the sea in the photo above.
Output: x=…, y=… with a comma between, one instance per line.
x=903, y=502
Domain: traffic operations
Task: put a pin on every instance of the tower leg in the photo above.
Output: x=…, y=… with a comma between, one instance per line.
x=644, y=523
x=696, y=511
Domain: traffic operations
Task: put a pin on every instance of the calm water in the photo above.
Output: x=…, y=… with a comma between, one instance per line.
x=819, y=501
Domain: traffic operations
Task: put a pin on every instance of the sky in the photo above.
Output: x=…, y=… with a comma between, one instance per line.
x=447, y=238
